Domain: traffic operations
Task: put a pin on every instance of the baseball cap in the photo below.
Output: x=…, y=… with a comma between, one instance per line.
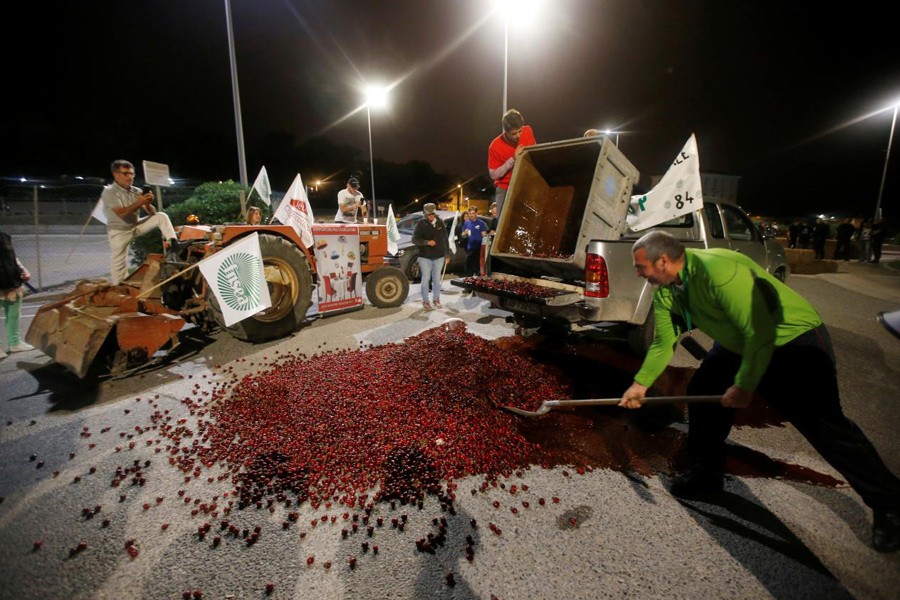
x=354, y=182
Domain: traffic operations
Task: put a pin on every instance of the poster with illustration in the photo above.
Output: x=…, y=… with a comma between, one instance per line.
x=337, y=261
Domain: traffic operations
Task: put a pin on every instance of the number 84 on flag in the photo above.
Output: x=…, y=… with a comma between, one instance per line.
x=677, y=193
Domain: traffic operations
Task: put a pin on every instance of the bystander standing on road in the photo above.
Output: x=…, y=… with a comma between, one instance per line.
x=768, y=341
x=13, y=276
x=843, y=235
x=794, y=234
x=864, y=238
x=821, y=232
x=473, y=232
x=879, y=233
x=505, y=149
x=430, y=236
x=122, y=203
x=806, y=229
x=492, y=224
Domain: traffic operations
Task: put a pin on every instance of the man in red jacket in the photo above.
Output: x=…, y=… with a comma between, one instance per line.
x=505, y=149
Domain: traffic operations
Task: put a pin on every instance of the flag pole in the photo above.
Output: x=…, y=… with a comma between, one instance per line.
x=78, y=239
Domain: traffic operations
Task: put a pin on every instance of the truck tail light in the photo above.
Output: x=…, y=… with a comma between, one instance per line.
x=596, y=277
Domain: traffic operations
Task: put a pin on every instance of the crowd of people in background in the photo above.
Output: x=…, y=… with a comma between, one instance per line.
x=869, y=235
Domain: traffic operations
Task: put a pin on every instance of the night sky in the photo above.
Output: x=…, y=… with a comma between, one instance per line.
x=775, y=91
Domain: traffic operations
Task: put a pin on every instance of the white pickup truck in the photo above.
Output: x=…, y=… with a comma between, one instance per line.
x=561, y=258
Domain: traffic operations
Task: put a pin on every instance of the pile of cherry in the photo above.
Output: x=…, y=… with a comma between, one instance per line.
x=522, y=289
x=345, y=431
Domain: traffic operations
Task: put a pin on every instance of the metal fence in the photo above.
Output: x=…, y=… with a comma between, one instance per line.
x=53, y=233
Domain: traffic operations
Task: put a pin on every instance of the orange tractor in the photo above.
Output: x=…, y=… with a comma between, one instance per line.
x=118, y=329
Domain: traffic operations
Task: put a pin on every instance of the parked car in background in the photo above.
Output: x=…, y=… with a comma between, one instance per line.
x=410, y=253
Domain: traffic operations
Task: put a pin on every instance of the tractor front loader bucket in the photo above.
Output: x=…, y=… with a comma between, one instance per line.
x=72, y=331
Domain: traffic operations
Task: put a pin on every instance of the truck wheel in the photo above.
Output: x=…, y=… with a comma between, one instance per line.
x=387, y=287
x=640, y=337
x=290, y=290
x=411, y=265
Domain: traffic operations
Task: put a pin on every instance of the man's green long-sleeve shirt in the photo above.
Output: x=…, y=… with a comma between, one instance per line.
x=734, y=301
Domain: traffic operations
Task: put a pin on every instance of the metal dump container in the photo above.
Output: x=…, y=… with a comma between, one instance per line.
x=562, y=195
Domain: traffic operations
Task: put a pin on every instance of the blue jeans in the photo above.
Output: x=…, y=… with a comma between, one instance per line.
x=431, y=276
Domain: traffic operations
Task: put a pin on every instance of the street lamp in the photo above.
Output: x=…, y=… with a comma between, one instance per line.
x=616, y=133
x=376, y=96
x=887, y=157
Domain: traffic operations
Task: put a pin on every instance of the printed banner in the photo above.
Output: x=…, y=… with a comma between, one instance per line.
x=296, y=211
x=237, y=278
x=337, y=263
x=676, y=194
x=393, y=234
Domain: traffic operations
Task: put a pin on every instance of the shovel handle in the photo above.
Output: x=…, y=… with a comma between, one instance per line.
x=646, y=400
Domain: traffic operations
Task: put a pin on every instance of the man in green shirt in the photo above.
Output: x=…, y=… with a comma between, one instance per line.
x=769, y=341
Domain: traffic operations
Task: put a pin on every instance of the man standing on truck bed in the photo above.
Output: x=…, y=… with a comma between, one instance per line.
x=768, y=339
x=505, y=149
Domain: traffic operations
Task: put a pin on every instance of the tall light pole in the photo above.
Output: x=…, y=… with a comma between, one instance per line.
x=375, y=96
x=505, y=59
x=524, y=10
x=887, y=157
x=242, y=159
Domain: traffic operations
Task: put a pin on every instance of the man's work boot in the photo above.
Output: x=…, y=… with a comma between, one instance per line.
x=174, y=249
x=699, y=484
x=886, y=530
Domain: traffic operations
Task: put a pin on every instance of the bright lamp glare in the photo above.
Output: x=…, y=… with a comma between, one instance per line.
x=376, y=96
x=519, y=11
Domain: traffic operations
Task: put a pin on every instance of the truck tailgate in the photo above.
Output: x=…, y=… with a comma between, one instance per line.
x=530, y=296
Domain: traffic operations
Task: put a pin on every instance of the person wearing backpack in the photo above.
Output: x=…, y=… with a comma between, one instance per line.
x=13, y=276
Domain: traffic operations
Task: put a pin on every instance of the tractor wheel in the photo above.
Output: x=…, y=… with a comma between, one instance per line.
x=387, y=287
x=290, y=290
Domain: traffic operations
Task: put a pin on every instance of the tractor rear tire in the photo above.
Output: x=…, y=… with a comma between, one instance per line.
x=290, y=290
x=387, y=287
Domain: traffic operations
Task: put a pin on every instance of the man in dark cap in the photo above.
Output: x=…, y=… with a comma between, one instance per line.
x=350, y=200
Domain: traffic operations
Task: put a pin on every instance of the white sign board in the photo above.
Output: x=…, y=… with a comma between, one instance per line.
x=156, y=174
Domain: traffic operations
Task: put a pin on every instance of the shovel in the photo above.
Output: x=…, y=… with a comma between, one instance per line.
x=548, y=405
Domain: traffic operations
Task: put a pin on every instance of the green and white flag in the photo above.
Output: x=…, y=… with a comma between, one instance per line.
x=393, y=234
x=676, y=194
x=451, y=240
x=262, y=187
x=237, y=278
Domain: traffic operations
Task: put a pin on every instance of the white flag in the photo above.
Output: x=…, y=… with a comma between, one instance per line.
x=296, y=211
x=676, y=194
x=451, y=241
x=393, y=234
x=237, y=278
x=262, y=187
x=98, y=212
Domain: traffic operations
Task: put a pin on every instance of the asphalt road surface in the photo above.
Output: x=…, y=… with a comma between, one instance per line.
x=615, y=533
